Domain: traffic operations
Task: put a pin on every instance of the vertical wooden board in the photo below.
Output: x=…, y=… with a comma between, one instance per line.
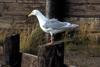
x=5, y=26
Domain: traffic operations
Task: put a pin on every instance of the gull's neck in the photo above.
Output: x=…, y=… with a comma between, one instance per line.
x=41, y=18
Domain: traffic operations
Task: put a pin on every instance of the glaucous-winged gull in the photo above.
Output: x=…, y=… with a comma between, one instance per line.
x=52, y=26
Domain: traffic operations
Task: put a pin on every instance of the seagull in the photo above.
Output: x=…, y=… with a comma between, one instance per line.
x=52, y=26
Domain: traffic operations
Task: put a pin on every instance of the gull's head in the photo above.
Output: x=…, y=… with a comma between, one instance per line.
x=34, y=12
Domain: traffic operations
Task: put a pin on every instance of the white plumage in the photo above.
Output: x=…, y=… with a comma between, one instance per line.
x=53, y=25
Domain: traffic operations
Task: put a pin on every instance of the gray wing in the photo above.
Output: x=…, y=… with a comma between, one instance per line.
x=54, y=24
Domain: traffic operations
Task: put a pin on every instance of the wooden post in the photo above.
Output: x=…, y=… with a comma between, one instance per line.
x=12, y=55
x=53, y=56
x=56, y=9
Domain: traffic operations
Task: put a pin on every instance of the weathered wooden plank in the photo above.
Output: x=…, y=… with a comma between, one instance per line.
x=76, y=1
x=83, y=10
x=6, y=19
x=31, y=1
x=19, y=19
x=1, y=8
x=93, y=1
x=7, y=0
x=82, y=1
x=5, y=25
x=19, y=8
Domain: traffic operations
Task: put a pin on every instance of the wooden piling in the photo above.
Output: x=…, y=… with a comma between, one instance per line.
x=53, y=56
x=12, y=55
x=56, y=9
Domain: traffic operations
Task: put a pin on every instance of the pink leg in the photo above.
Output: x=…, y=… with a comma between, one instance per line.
x=52, y=39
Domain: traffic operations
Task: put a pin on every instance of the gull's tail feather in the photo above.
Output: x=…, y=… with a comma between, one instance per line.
x=74, y=25
x=71, y=26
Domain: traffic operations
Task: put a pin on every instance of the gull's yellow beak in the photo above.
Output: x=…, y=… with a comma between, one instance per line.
x=29, y=15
